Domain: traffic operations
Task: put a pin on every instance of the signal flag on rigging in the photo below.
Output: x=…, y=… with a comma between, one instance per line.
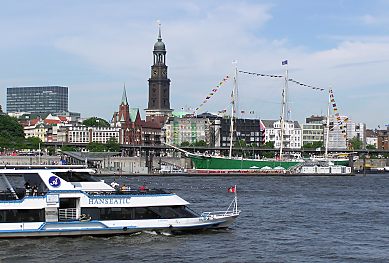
x=232, y=189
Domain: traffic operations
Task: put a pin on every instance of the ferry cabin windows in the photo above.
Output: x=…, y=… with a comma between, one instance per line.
x=71, y=176
x=139, y=213
x=22, y=215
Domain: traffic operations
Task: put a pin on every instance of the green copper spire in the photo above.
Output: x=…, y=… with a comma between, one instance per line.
x=124, y=96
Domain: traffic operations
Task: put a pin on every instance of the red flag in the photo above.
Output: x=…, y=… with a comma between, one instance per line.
x=232, y=189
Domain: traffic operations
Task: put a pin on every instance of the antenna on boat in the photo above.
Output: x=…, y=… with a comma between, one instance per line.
x=233, y=97
x=282, y=119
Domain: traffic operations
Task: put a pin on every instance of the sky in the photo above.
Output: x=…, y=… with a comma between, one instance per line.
x=94, y=47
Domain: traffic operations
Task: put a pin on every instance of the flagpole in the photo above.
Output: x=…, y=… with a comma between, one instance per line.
x=236, y=200
x=284, y=94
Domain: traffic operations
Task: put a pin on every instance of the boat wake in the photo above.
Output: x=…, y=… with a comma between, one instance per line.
x=158, y=233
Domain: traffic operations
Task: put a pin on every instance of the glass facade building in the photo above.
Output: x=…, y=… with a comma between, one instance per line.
x=50, y=99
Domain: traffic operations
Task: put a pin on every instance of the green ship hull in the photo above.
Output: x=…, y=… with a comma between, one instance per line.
x=224, y=163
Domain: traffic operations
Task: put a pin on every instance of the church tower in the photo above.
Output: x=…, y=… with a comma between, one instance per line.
x=159, y=85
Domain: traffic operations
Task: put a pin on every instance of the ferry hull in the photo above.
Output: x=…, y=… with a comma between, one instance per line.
x=101, y=229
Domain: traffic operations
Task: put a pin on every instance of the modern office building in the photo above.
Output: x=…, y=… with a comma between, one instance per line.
x=247, y=130
x=50, y=99
x=313, y=129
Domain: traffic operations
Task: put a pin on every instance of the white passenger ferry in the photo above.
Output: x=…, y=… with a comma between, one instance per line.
x=70, y=202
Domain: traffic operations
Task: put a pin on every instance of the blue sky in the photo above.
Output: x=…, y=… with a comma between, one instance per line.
x=93, y=47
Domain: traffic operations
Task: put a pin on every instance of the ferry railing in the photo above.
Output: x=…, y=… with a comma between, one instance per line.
x=131, y=192
x=7, y=195
x=229, y=212
x=67, y=214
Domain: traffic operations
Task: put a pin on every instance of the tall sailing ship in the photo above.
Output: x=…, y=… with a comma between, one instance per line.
x=211, y=164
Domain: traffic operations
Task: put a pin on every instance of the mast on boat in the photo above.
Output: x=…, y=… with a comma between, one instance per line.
x=233, y=94
x=327, y=125
x=283, y=103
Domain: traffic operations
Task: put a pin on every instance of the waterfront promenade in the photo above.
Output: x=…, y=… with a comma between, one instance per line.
x=117, y=165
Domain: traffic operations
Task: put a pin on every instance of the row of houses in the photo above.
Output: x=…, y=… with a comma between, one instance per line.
x=127, y=127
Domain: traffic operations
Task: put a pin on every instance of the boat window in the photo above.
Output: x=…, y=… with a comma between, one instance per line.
x=13, y=186
x=71, y=176
x=22, y=215
x=68, y=202
x=136, y=213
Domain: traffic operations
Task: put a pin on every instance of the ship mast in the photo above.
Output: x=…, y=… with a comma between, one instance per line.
x=233, y=94
x=328, y=125
x=283, y=103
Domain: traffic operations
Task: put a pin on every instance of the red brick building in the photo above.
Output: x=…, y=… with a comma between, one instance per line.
x=129, y=122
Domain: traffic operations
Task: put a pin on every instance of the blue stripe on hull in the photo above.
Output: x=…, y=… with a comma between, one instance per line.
x=44, y=230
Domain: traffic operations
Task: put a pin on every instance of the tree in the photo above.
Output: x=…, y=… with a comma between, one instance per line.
x=370, y=147
x=96, y=122
x=313, y=145
x=185, y=144
x=268, y=145
x=11, y=133
x=96, y=147
x=32, y=143
x=200, y=143
x=355, y=143
x=68, y=148
x=112, y=145
x=240, y=143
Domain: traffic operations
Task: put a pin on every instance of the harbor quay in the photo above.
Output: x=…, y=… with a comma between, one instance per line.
x=144, y=165
x=107, y=165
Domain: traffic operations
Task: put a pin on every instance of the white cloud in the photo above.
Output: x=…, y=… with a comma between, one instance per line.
x=202, y=39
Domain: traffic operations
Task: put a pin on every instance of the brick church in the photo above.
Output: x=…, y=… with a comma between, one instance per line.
x=134, y=130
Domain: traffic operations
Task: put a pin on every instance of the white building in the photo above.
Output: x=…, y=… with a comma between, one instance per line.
x=82, y=134
x=292, y=133
x=339, y=138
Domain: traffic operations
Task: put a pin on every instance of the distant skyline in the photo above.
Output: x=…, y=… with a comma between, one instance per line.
x=94, y=47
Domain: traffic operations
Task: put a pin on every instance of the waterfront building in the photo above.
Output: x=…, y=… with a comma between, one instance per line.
x=356, y=130
x=313, y=130
x=38, y=130
x=187, y=129
x=292, y=133
x=383, y=139
x=128, y=121
x=82, y=134
x=339, y=138
x=152, y=133
x=371, y=138
x=48, y=99
x=45, y=129
x=247, y=130
x=158, y=109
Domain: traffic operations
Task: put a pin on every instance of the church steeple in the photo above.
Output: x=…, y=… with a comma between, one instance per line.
x=159, y=49
x=124, y=96
x=159, y=84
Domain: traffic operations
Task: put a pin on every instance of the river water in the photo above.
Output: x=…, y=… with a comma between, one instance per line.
x=284, y=219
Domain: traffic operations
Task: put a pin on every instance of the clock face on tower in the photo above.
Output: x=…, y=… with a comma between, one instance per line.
x=155, y=72
x=164, y=72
